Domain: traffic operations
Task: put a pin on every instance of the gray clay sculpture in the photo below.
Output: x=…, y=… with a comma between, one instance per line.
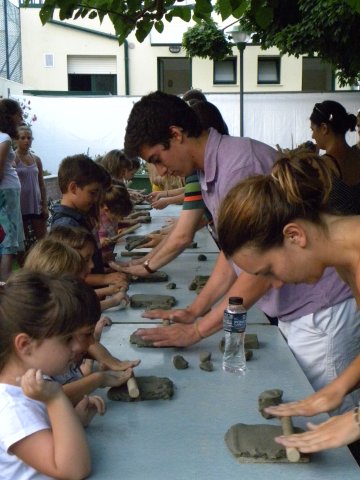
x=150, y=388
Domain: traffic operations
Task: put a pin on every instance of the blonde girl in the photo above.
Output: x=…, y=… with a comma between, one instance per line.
x=82, y=241
x=33, y=199
x=45, y=322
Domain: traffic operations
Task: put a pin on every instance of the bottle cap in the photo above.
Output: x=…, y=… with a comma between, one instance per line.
x=235, y=300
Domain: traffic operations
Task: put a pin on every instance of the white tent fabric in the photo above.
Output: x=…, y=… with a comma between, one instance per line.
x=95, y=125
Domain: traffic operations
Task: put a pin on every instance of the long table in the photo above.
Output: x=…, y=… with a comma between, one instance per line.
x=183, y=438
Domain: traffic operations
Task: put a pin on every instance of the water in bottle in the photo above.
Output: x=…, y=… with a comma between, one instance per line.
x=234, y=360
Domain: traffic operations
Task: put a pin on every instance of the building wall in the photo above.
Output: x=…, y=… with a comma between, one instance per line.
x=142, y=57
x=37, y=40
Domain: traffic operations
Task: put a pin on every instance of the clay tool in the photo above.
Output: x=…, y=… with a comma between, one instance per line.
x=131, y=229
x=292, y=453
x=133, y=388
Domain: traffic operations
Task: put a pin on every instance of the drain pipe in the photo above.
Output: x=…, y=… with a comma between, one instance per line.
x=126, y=65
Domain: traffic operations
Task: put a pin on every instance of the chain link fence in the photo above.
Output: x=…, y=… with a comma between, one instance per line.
x=10, y=42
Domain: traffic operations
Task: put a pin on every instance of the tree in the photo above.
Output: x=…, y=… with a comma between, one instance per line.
x=328, y=28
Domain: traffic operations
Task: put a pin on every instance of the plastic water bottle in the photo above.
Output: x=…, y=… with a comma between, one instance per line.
x=234, y=360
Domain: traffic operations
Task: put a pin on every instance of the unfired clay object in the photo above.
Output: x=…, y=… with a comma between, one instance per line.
x=134, y=241
x=202, y=257
x=151, y=388
x=138, y=341
x=155, y=277
x=207, y=366
x=205, y=356
x=143, y=206
x=179, y=362
x=255, y=444
x=133, y=254
x=198, y=282
x=248, y=353
x=151, y=302
x=171, y=286
x=251, y=341
x=268, y=398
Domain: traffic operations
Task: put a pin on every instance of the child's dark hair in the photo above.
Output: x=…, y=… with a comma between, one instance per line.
x=117, y=199
x=9, y=108
x=43, y=306
x=256, y=210
x=209, y=116
x=194, y=94
x=333, y=114
x=116, y=162
x=151, y=118
x=82, y=170
x=135, y=163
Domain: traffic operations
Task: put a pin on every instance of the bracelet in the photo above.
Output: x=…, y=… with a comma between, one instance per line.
x=196, y=326
x=356, y=416
x=147, y=267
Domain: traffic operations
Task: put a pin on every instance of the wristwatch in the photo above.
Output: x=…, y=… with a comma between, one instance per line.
x=147, y=267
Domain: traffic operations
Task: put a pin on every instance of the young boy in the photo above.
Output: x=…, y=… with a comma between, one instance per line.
x=81, y=182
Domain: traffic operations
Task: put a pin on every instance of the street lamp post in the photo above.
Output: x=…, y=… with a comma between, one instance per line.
x=241, y=38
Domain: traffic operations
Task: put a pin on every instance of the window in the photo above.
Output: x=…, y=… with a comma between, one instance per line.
x=105, y=84
x=225, y=71
x=317, y=76
x=268, y=70
x=174, y=75
x=49, y=60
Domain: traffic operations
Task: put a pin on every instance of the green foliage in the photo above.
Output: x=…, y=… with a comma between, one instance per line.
x=206, y=40
x=329, y=28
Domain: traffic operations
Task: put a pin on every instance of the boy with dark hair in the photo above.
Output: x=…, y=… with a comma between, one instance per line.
x=81, y=181
x=149, y=122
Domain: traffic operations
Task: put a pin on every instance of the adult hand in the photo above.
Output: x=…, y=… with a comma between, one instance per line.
x=154, y=196
x=336, y=432
x=323, y=400
x=177, y=316
x=136, y=270
x=176, y=335
x=154, y=240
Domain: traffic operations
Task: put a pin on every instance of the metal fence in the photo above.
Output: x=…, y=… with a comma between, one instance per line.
x=10, y=42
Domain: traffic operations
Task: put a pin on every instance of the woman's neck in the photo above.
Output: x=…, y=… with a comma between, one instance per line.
x=338, y=148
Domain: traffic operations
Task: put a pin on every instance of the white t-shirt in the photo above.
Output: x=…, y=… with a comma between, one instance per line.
x=10, y=178
x=20, y=416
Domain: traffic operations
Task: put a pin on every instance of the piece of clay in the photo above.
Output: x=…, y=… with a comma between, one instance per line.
x=251, y=341
x=138, y=341
x=179, y=362
x=171, y=286
x=192, y=245
x=269, y=398
x=144, y=219
x=152, y=302
x=198, y=282
x=202, y=257
x=247, y=348
x=142, y=206
x=139, y=213
x=155, y=277
x=207, y=366
x=205, y=356
x=165, y=322
x=133, y=254
x=151, y=388
x=248, y=354
x=134, y=241
x=255, y=444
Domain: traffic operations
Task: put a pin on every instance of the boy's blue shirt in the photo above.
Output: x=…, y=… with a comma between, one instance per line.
x=67, y=216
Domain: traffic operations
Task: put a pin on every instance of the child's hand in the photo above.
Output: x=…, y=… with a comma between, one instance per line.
x=112, y=378
x=36, y=387
x=103, y=322
x=117, y=278
x=118, y=365
x=105, y=241
x=88, y=407
x=118, y=298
